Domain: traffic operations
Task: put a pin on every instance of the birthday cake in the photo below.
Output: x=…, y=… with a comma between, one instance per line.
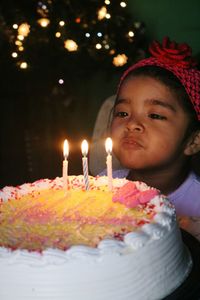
x=97, y=244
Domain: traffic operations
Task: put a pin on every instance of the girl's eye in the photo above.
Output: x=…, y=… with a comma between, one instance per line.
x=120, y=114
x=157, y=117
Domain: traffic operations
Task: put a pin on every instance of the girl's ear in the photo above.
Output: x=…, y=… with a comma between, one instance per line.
x=193, y=145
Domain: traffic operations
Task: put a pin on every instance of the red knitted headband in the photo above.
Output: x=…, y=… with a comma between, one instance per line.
x=177, y=59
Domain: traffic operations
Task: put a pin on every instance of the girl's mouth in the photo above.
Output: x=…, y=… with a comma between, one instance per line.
x=129, y=142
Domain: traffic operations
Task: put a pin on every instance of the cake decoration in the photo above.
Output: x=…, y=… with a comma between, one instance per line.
x=44, y=218
x=131, y=196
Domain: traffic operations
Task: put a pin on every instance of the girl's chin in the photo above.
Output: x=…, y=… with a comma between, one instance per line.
x=128, y=159
x=130, y=164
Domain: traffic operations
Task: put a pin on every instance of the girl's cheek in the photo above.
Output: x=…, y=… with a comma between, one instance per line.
x=116, y=123
x=116, y=134
x=114, y=127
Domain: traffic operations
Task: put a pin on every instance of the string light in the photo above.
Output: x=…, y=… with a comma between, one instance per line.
x=58, y=34
x=43, y=22
x=21, y=48
x=131, y=33
x=24, y=29
x=20, y=37
x=98, y=46
x=83, y=27
x=23, y=65
x=137, y=24
x=78, y=20
x=62, y=23
x=60, y=81
x=120, y=60
x=18, y=43
x=14, y=54
x=44, y=7
x=70, y=45
x=112, y=51
x=123, y=4
x=102, y=13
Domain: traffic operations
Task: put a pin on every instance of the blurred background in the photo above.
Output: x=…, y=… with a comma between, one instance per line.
x=60, y=60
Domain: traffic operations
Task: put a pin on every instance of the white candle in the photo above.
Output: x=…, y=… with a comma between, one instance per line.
x=84, y=148
x=108, y=146
x=65, y=164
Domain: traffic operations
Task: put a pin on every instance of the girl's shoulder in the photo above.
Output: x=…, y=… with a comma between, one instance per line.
x=186, y=197
x=193, y=179
x=189, y=211
x=119, y=173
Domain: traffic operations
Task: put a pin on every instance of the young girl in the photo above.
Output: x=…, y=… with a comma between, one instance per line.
x=156, y=124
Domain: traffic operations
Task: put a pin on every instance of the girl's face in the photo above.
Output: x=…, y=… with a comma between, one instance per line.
x=148, y=126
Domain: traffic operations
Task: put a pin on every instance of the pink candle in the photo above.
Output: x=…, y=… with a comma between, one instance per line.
x=108, y=146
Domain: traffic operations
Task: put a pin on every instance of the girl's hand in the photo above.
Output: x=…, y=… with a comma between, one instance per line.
x=191, y=225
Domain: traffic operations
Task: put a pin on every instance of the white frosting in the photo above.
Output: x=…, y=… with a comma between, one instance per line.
x=148, y=265
x=136, y=239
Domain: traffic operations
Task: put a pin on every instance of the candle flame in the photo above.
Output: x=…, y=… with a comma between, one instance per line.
x=84, y=147
x=108, y=145
x=66, y=149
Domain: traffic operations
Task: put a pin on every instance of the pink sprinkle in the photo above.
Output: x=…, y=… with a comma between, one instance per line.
x=131, y=196
x=147, y=195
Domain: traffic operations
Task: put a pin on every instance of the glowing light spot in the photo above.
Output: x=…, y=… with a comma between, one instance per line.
x=58, y=34
x=137, y=24
x=23, y=65
x=78, y=20
x=70, y=45
x=18, y=43
x=98, y=46
x=24, y=29
x=120, y=60
x=62, y=23
x=102, y=13
x=21, y=48
x=131, y=33
x=123, y=4
x=99, y=34
x=112, y=51
x=87, y=34
x=15, y=26
x=43, y=22
x=60, y=81
x=20, y=37
x=14, y=54
x=108, y=16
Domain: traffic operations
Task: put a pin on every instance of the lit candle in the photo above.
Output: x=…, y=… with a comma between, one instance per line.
x=84, y=148
x=65, y=164
x=108, y=146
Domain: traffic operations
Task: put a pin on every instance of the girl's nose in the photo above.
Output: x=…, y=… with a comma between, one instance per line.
x=134, y=125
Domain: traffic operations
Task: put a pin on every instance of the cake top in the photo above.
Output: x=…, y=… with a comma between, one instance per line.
x=41, y=215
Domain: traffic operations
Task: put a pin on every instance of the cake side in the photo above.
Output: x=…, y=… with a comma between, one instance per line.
x=146, y=263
